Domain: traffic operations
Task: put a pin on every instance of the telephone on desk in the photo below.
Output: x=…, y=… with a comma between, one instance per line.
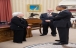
x=32, y=15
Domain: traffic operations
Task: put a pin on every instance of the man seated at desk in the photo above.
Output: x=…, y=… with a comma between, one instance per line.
x=47, y=16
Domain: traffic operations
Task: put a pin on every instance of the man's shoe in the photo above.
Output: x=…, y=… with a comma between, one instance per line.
x=57, y=40
x=54, y=35
x=42, y=35
x=58, y=44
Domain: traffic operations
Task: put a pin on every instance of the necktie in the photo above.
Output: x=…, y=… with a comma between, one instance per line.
x=49, y=15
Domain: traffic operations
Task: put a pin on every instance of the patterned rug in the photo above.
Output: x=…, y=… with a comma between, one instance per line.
x=50, y=45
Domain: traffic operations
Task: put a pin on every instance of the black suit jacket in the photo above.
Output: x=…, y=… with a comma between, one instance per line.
x=63, y=19
x=44, y=17
x=18, y=23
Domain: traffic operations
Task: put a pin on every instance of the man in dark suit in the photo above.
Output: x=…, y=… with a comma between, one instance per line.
x=47, y=16
x=62, y=22
x=19, y=25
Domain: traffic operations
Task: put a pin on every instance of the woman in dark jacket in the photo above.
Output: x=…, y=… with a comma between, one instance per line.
x=19, y=26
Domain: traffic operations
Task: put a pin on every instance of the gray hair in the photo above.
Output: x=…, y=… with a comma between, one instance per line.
x=16, y=13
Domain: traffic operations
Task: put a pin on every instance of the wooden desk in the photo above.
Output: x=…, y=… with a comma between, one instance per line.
x=5, y=33
x=33, y=23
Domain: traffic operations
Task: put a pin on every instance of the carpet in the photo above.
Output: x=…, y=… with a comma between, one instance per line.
x=50, y=45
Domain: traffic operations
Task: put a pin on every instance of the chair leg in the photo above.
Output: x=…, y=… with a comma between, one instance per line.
x=40, y=31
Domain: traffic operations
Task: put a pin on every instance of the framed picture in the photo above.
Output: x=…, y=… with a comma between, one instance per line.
x=34, y=8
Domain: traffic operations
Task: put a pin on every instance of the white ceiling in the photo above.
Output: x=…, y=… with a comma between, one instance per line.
x=68, y=2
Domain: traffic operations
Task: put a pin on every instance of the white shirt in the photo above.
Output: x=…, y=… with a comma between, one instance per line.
x=49, y=14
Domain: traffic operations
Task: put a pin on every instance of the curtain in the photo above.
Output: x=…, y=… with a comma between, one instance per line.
x=5, y=11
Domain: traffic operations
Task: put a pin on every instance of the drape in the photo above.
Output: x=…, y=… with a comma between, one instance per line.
x=5, y=11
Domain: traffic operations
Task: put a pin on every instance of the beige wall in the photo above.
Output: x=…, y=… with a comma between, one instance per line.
x=21, y=5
